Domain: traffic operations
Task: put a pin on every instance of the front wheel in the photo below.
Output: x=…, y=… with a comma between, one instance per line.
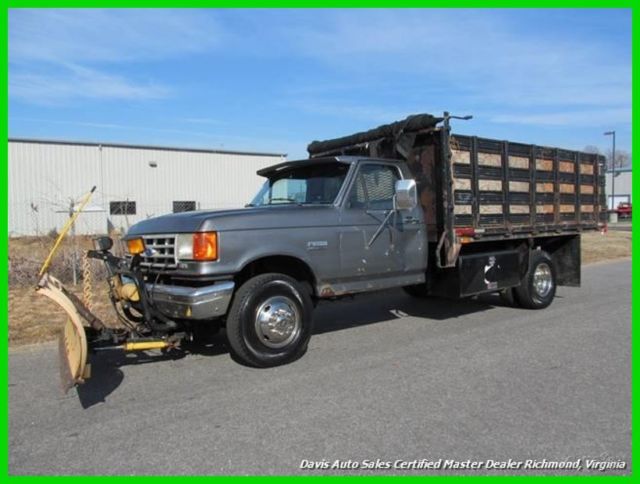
x=538, y=287
x=270, y=321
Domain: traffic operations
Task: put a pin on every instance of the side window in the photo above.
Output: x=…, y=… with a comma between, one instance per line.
x=374, y=187
x=122, y=208
x=184, y=206
x=357, y=197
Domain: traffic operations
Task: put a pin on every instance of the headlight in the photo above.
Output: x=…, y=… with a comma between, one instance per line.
x=201, y=246
x=135, y=246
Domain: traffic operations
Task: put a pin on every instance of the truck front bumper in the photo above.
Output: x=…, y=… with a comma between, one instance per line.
x=206, y=302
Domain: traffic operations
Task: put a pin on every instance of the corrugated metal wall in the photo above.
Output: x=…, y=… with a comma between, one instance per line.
x=623, y=187
x=44, y=177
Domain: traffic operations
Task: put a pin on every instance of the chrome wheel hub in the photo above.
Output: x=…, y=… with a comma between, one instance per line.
x=277, y=322
x=542, y=280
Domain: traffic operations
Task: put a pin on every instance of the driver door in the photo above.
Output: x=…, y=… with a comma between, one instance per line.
x=368, y=202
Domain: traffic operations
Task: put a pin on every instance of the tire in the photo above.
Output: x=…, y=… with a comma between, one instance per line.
x=418, y=291
x=270, y=321
x=538, y=287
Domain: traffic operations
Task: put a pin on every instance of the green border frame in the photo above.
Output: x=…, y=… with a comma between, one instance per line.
x=4, y=126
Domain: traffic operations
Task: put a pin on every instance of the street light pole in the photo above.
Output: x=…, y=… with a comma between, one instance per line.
x=613, y=168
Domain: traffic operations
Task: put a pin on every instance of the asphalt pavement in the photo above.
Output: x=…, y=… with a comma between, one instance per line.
x=386, y=377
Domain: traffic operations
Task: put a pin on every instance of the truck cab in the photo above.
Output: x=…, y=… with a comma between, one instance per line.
x=406, y=205
x=331, y=226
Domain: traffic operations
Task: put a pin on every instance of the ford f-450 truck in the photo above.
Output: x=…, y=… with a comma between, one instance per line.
x=406, y=205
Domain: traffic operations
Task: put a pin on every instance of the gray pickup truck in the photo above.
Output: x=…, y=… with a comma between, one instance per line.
x=406, y=205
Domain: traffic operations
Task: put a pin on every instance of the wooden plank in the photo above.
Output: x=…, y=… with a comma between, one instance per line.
x=544, y=208
x=586, y=169
x=519, y=162
x=490, y=185
x=567, y=167
x=489, y=159
x=462, y=210
x=462, y=157
x=586, y=189
x=567, y=208
x=462, y=184
x=490, y=209
x=544, y=187
x=567, y=188
x=519, y=208
x=517, y=186
x=544, y=165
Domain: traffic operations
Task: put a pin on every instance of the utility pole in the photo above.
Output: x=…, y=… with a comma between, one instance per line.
x=74, y=260
x=613, y=168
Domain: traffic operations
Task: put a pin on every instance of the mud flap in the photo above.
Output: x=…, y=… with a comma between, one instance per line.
x=72, y=352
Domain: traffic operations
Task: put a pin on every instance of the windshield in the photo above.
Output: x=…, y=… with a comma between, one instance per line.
x=314, y=184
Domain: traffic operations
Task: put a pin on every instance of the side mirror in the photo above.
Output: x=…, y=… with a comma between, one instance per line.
x=406, y=195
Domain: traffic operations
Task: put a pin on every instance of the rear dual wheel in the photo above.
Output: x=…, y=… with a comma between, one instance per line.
x=538, y=287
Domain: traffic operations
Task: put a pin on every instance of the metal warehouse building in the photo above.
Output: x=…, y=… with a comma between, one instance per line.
x=623, y=182
x=133, y=182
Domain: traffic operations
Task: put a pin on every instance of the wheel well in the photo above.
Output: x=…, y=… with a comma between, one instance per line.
x=565, y=255
x=283, y=264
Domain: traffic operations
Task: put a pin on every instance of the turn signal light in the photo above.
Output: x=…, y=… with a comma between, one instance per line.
x=205, y=246
x=135, y=246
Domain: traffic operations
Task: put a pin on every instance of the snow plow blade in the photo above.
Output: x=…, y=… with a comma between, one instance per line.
x=72, y=351
x=73, y=348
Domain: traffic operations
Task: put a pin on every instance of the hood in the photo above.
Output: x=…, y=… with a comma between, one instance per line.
x=268, y=217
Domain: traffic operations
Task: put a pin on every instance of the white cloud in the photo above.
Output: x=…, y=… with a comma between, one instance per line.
x=76, y=82
x=108, y=35
x=477, y=55
x=57, y=55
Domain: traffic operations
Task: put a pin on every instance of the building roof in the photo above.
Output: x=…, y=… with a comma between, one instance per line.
x=142, y=147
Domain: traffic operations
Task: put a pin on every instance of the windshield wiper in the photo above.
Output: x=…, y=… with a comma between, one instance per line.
x=282, y=199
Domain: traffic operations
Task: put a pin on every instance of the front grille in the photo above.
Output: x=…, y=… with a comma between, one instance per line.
x=160, y=252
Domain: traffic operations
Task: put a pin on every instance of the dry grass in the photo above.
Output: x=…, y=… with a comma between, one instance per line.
x=26, y=255
x=597, y=247
x=33, y=318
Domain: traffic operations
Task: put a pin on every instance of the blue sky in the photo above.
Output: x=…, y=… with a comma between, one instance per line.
x=274, y=80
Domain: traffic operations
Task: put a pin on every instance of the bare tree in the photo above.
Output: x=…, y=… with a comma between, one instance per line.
x=623, y=158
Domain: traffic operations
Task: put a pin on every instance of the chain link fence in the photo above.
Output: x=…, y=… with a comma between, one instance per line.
x=114, y=217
